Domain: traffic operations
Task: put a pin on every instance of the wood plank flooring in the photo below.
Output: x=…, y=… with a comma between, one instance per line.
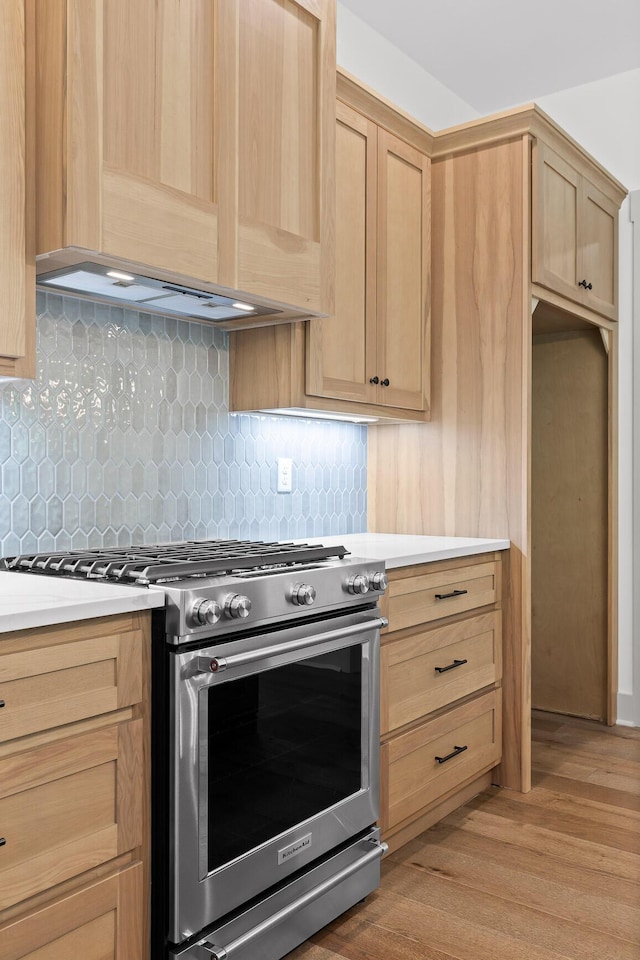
x=550, y=875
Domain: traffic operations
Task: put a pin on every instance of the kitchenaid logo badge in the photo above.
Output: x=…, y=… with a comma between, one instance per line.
x=294, y=848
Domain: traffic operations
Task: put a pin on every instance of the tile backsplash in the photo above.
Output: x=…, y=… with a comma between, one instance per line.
x=125, y=437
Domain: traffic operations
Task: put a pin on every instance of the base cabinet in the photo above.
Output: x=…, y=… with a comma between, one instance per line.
x=99, y=921
x=441, y=697
x=74, y=790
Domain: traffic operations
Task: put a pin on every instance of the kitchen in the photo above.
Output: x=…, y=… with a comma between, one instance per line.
x=126, y=434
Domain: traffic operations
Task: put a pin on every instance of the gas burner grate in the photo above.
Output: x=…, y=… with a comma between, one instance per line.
x=171, y=561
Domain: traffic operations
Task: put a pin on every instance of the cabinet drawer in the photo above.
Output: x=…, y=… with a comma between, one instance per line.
x=68, y=806
x=47, y=685
x=430, y=596
x=433, y=668
x=102, y=920
x=413, y=779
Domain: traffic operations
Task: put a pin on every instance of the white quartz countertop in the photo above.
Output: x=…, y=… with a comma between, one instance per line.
x=32, y=600
x=400, y=550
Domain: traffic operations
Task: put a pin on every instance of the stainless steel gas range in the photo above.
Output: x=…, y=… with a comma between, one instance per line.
x=265, y=738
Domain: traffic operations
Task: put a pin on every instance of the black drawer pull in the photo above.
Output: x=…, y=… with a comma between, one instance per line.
x=3, y=841
x=454, y=593
x=456, y=751
x=1, y=703
x=452, y=666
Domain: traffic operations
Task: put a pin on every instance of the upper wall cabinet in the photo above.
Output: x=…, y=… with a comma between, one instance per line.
x=375, y=348
x=192, y=138
x=17, y=274
x=371, y=358
x=575, y=233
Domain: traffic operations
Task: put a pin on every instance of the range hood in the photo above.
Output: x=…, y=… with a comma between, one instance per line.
x=115, y=286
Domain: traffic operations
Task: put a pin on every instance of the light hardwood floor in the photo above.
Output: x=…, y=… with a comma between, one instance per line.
x=543, y=876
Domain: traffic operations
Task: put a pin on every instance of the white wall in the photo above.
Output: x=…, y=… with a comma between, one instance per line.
x=603, y=117
x=378, y=63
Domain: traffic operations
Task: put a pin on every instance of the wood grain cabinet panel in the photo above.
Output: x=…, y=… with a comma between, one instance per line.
x=430, y=596
x=46, y=686
x=425, y=764
x=574, y=229
x=192, y=138
x=433, y=668
x=68, y=806
x=98, y=922
x=17, y=257
x=74, y=790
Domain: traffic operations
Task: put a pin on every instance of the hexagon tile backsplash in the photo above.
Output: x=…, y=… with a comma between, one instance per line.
x=125, y=437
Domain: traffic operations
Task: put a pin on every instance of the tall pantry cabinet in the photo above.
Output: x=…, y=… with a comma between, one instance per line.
x=495, y=263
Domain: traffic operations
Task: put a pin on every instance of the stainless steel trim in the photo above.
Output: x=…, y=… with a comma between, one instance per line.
x=224, y=952
x=219, y=664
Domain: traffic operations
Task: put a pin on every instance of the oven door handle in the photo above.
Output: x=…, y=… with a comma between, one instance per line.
x=219, y=664
x=205, y=950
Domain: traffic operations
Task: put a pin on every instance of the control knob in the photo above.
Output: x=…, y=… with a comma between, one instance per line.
x=358, y=584
x=205, y=612
x=237, y=607
x=303, y=594
x=378, y=581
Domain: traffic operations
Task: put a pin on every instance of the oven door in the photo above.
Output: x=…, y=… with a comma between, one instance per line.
x=274, y=760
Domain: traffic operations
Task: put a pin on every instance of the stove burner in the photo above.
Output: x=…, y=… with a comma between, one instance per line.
x=165, y=562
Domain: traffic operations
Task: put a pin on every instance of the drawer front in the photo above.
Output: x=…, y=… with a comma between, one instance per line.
x=413, y=779
x=52, y=685
x=434, y=668
x=102, y=920
x=431, y=596
x=68, y=806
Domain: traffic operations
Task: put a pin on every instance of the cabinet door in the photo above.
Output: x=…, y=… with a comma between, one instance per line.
x=598, y=232
x=403, y=294
x=105, y=919
x=17, y=273
x=341, y=351
x=133, y=85
x=284, y=85
x=67, y=806
x=555, y=212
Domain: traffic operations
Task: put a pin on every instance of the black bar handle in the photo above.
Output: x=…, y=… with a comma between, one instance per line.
x=454, y=593
x=452, y=666
x=455, y=752
x=3, y=841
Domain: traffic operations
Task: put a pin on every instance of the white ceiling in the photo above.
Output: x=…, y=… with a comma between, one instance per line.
x=498, y=53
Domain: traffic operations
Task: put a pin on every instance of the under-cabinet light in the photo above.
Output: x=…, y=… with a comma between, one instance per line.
x=243, y=306
x=116, y=275
x=318, y=415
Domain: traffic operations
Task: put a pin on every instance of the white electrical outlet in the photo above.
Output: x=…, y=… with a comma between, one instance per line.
x=285, y=470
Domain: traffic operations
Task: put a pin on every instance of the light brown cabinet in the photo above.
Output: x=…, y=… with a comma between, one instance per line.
x=74, y=788
x=17, y=264
x=471, y=471
x=191, y=139
x=441, y=702
x=372, y=357
x=575, y=233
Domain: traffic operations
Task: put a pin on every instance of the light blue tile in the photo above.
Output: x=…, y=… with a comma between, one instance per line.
x=127, y=422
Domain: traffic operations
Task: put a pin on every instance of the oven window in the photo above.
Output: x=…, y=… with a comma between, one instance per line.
x=283, y=745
